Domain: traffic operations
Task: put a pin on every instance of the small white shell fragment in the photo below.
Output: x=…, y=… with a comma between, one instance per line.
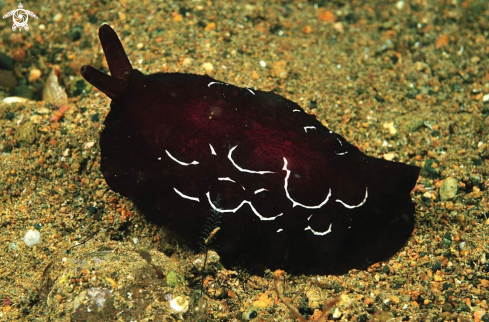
x=485, y=98
x=461, y=245
x=179, y=304
x=53, y=93
x=32, y=237
x=90, y=144
x=15, y=99
x=389, y=156
x=337, y=314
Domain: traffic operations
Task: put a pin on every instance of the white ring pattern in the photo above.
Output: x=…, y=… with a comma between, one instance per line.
x=286, y=185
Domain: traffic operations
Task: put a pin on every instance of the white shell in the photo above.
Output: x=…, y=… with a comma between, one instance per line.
x=32, y=237
x=179, y=304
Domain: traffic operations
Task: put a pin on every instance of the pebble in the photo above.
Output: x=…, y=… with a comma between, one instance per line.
x=34, y=75
x=19, y=55
x=485, y=98
x=58, y=17
x=250, y=313
x=448, y=189
x=475, y=179
x=210, y=26
x=6, y=62
x=7, y=79
x=338, y=26
x=89, y=144
x=75, y=33
x=400, y=5
x=187, y=62
x=427, y=195
x=389, y=156
x=208, y=67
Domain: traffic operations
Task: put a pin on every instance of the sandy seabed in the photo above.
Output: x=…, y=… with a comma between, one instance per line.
x=405, y=81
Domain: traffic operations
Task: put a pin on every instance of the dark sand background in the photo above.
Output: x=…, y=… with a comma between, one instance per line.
x=403, y=80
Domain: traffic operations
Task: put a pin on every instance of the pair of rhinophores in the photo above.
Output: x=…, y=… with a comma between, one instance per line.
x=290, y=193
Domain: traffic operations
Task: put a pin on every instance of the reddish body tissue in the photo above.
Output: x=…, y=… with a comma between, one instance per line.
x=285, y=191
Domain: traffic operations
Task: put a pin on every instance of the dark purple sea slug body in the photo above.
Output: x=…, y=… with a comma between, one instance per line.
x=289, y=192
